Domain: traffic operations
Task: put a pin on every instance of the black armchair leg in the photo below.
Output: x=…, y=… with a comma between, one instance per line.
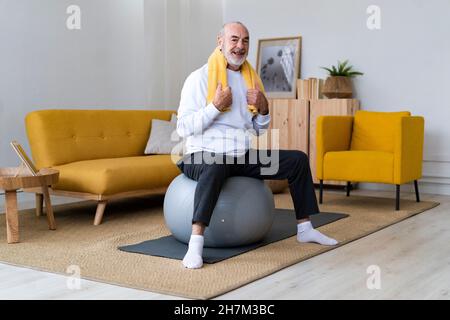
x=416, y=187
x=349, y=187
x=397, y=197
x=321, y=191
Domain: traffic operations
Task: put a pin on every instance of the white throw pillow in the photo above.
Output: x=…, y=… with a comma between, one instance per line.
x=164, y=138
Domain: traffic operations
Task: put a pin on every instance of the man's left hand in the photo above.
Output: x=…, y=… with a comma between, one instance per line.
x=256, y=97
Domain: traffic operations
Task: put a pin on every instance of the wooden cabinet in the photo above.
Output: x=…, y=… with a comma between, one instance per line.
x=296, y=123
x=291, y=118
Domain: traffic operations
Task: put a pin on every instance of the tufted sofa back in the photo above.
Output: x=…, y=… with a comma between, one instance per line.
x=62, y=136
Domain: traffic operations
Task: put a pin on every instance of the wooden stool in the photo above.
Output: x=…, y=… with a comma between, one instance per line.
x=10, y=181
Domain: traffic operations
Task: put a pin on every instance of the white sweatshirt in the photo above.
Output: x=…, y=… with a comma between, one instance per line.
x=206, y=128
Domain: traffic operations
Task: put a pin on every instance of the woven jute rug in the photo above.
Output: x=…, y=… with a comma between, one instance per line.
x=94, y=248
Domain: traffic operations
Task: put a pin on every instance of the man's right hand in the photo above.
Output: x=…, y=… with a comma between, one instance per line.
x=223, y=98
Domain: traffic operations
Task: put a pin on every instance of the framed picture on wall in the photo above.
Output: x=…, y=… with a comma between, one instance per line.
x=278, y=65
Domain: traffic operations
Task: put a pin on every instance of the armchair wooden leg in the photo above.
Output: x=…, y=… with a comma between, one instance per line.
x=397, y=197
x=321, y=191
x=99, y=213
x=416, y=187
x=39, y=204
x=349, y=187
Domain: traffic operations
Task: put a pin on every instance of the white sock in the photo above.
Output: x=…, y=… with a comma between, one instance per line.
x=193, y=258
x=306, y=233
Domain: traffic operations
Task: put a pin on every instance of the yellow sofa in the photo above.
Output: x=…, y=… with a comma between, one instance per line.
x=379, y=147
x=99, y=153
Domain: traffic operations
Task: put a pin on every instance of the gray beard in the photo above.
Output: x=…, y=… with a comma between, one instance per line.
x=231, y=60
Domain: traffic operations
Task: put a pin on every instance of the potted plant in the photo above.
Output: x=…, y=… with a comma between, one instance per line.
x=339, y=84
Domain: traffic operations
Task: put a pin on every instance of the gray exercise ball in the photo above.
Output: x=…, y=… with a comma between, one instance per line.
x=243, y=214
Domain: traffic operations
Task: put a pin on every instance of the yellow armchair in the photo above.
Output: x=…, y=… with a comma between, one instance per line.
x=378, y=147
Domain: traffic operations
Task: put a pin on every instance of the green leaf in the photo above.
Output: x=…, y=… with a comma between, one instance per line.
x=344, y=64
x=355, y=73
x=347, y=69
x=328, y=69
x=335, y=72
x=341, y=66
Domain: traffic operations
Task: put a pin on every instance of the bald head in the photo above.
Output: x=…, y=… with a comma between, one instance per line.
x=228, y=25
x=233, y=39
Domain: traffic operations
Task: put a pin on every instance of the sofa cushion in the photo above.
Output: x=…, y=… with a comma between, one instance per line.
x=363, y=166
x=374, y=131
x=164, y=138
x=115, y=175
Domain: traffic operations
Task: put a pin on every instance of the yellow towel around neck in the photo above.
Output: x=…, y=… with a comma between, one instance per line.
x=217, y=72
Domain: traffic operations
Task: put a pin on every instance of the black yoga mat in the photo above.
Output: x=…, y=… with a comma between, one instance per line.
x=284, y=226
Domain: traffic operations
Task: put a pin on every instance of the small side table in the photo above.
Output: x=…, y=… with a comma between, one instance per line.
x=11, y=182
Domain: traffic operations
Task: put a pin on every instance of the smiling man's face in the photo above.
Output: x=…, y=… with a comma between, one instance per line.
x=234, y=44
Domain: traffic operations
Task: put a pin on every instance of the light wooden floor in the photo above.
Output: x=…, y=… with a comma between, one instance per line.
x=413, y=257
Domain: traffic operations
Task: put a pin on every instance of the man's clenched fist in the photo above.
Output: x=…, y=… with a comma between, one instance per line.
x=256, y=98
x=223, y=98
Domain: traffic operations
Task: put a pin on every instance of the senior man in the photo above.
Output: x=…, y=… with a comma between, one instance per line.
x=221, y=103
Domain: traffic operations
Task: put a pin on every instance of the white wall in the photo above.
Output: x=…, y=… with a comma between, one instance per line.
x=45, y=65
x=128, y=54
x=190, y=28
x=406, y=63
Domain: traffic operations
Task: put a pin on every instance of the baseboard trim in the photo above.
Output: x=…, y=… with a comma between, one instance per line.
x=426, y=186
x=437, y=157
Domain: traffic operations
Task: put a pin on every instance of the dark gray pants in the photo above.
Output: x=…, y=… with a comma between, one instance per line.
x=292, y=165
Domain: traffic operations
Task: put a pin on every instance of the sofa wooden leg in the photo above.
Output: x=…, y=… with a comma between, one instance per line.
x=321, y=191
x=48, y=208
x=39, y=204
x=99, y=213
x=397, y=197
x=349, y=186
x=416, y=187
